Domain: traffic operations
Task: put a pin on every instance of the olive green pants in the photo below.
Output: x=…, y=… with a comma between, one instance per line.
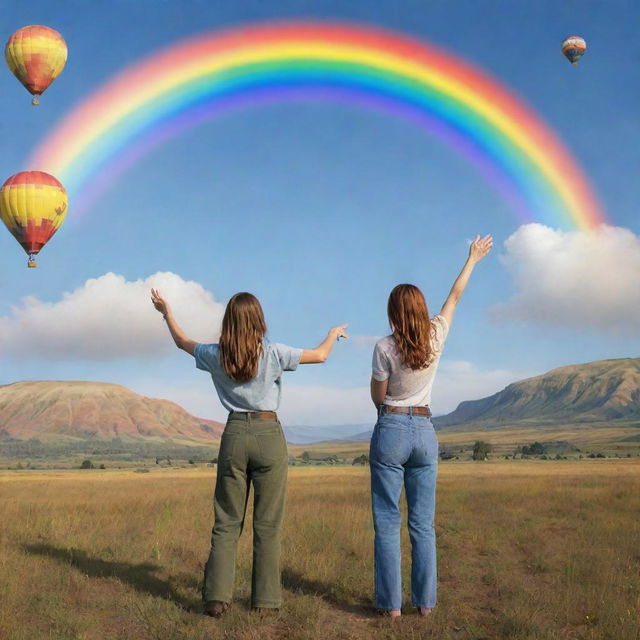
x=252, y=451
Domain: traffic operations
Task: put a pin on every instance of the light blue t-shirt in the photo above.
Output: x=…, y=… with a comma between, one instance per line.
x=261, y=393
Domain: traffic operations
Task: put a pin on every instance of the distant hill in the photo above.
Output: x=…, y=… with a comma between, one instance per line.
x=606, y=391
x=48, y=410
x=310, y=435
x=602, y=391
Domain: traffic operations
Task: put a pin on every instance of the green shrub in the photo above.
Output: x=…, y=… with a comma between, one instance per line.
x=86, y=464
x=481, y=450
x=535, y=449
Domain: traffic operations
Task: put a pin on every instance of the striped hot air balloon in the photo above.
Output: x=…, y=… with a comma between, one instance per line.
x=33, y=205
x=573, y=49
x=36, y=56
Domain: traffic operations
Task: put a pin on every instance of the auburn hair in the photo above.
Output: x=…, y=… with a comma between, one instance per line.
x=240, y=344
x=410, y=324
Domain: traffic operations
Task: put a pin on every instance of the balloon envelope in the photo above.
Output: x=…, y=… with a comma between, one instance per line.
x=33, y=205
x=573, y=48
x=36, y=56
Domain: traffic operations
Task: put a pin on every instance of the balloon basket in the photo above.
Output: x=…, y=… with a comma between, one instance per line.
x=31, y=264
x=35, y=102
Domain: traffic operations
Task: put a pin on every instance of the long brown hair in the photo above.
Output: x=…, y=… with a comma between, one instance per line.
x=409, y=320
x=243, y=328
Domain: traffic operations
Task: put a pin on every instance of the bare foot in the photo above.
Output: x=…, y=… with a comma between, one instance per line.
x=389, y=613
x=424, y=611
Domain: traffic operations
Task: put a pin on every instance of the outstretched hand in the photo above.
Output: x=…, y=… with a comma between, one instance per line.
x=480, y=247
x=159, y=302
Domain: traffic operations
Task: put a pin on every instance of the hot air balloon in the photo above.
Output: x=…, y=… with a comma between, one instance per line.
x=573, y=49
x=36, y=56
x=33, y=205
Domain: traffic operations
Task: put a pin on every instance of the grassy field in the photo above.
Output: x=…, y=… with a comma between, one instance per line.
x=527, y=549
x=611, y=440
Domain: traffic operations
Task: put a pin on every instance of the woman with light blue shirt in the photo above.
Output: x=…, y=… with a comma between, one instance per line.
x=246, y=370
x=404, y=446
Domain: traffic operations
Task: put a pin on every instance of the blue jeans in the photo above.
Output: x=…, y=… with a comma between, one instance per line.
x=404, y=448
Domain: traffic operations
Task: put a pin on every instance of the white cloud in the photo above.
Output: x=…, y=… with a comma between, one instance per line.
x=458, y=380
x=325, y=405
x=108, y=318
x=575, y=279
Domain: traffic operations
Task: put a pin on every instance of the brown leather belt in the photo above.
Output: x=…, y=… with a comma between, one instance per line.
x=257, y=415
x=417, y=411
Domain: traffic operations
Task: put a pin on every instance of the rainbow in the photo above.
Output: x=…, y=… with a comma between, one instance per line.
x=202, y=77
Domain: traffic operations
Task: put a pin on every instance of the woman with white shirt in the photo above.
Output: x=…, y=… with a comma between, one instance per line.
x=404, y=446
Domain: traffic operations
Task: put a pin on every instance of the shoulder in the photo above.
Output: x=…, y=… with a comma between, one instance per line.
x=386, y=343
x=439, y=328
x=207, y=349
x=274, y=349
x=439, y=322
x=206, y=355
x=287, y=357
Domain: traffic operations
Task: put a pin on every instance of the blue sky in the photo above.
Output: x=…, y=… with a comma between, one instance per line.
x=320, y=209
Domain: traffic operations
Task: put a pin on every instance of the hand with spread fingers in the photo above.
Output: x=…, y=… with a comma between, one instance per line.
x=480, y=247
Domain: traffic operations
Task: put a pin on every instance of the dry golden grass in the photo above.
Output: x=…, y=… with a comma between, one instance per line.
x=527, y=549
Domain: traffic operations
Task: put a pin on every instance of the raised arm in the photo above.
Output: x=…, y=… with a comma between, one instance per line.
x=479, y=248
x=182, y=342
x=322, y=351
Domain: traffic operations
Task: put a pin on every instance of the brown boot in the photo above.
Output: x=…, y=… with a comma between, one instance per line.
x=215, y=608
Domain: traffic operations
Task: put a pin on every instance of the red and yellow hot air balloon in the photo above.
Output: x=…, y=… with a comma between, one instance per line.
x=33, y=205
x=36, y=56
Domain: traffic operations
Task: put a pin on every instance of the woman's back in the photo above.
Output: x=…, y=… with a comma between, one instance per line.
x=409, y=387
x=262, y=392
